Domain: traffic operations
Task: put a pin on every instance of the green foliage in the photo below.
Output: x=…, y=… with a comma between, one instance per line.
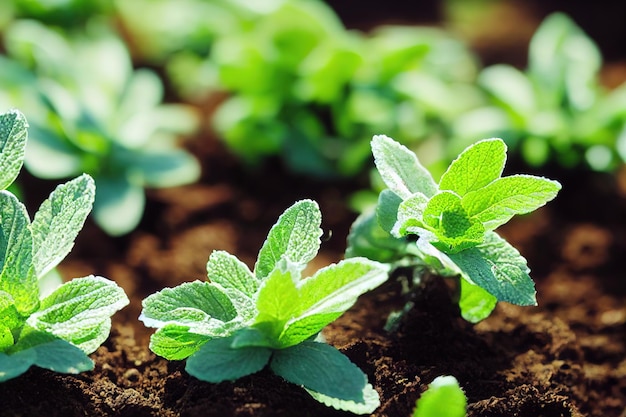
x=443, y=398
x=240, y=321
x=94, y=117
x=453, y=221
x=556, y=109
x=57, y=331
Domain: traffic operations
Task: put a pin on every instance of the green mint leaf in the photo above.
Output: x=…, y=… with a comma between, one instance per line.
x=328, y=294
x=79, y=311
x=475, y=303
x=6, y=337
x=295, y=236
x=498, y=268
x=443, y=398
x=477, y=166
x=201, y=306
x=371, y=401
x=277, y=301
x=320, y=368
x=410, y=214
x=176, y=342
x=369, y=240
x=387, y=209
x=445, y=216
x=500, y=200
x=217, y=361
x=13, y=136
x=228, y=271
x=58, y=221
x=17, y=275
x=400, y=169
x=9, y=316
x=16, y=364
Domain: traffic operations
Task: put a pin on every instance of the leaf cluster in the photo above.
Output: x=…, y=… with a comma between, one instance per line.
x=448, y=227
x=57, y=331
x=556, y=109
x=90, y=111
x=240, y=321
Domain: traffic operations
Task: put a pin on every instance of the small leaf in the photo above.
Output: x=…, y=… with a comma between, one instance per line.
x=17, y=275
x=477, y=166
x=79, y=311
x=371, y=401
x=446, y=217
x=369, y=240
x=400, y=169
x=6, y=337
x=475, y=303
x=119, y=205
x=443, y=398
x=498, y=268
x=228, y=271
x=497, y=202
x=296, y=236
x=58, y=221
x=13, y=136
x=217, y=361
x=410, y=214
x=176, y=342
x=203, y=307
x=387, y=209
x=320, y=368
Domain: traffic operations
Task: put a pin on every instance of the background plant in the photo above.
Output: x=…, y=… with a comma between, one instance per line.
x=57, y=331
x=447, y=228
x=241, y=321
x=555, y=110
x=92, y=112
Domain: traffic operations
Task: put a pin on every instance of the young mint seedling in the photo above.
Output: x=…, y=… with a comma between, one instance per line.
x=443, y=398
x=240, y=320
x=58, y=331
x=448, y=228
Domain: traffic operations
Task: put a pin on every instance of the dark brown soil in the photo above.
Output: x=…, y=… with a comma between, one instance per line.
x=565, y=357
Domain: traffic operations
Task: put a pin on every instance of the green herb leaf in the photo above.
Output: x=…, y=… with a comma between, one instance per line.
x=13, y=136
x=443, y=398
x=217, y=361
x=328, y=294
x=369, y=240
x=387, y=209
x=17, y=276
x=119, y=205
x=400, y=169
x=79, y=311
x=176, y=342
x=477, y=166
x=475, y=303
x=498, y=268
x=201, y=306
x=497, y=202
x=336, y=378
x=58, y=221
x=295, y=236
x=410, y=213
x=371, y=401
x=455, y=229
x=16, y=364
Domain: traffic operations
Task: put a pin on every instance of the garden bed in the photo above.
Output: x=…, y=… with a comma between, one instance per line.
x=562, y=358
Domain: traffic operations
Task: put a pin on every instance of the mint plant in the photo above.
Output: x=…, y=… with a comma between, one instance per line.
x=556, y=109
x=56, y=332
x=447, y=228
x=92, y=112
x=443, y=398
x=240, y=321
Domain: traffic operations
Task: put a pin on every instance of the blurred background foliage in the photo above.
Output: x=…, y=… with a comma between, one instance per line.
x=112, y=84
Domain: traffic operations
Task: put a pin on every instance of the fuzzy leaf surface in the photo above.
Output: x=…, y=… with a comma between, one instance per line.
x=497, y=202
x=498, y=268
x=217, y=361
x=59, y=220
x=295, y=236
x=410, y=213
x=176, y=342
x=400, y=169
x=13, y=135
x=201, y=306
x=371, y=401
x=79, y=311
x=17, y=275
x=477, y=166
